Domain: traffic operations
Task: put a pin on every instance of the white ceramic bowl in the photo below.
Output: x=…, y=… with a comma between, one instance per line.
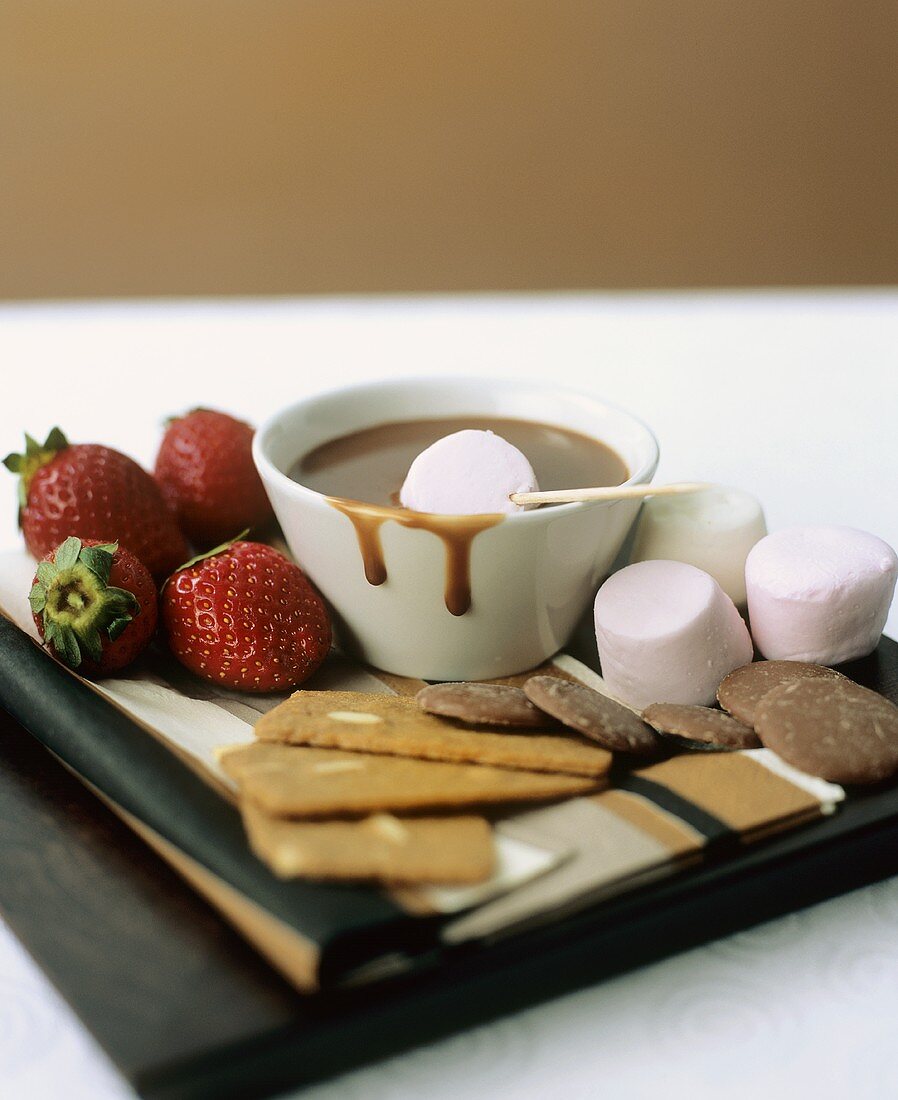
x=532, y=575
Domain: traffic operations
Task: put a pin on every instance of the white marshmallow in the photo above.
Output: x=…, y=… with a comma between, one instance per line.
x=713, y=530
x=467, y=473
x=667, y=633
x=819, y=593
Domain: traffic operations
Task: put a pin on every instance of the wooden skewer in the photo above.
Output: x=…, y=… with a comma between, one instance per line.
x=609, y=492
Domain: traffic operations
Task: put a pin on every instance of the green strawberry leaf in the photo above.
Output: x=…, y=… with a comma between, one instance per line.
x=90, y=642
x=37, y=597
x=98, y=560
x=55, y=441
x=46, y=573
x=115, y=628
x=28, y=463
x=208, y=554
x=67, y=554
x=67, y=646
x=122, y=598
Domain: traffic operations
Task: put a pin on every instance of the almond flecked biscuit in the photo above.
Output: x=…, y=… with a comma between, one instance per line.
x=292, y=781
x=381, y=848
x=395, y=725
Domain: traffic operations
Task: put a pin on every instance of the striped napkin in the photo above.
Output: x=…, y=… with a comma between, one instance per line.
x=653, y=822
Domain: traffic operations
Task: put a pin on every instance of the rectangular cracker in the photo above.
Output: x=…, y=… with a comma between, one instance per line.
x=381, y=848
x=292, y=781
x=395, y=725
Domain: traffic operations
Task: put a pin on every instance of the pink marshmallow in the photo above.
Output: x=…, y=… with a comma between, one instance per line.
x=667, y=633
x=819, y=593
x=467, y=473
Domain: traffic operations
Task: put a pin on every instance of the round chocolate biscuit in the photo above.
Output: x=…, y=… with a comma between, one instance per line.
x=742, y=690
x=482, y=705
x=832, y=728
x=700, y=727
x=609, y=724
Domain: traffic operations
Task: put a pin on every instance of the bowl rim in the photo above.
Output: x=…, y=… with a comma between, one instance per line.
x=269, y=472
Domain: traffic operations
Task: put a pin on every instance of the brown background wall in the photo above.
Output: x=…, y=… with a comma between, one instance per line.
x=214, y=146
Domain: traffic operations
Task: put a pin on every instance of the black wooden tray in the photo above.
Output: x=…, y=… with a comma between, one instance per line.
x=187, y=1010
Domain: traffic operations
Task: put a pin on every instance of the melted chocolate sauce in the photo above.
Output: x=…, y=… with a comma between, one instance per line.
x=361, y=473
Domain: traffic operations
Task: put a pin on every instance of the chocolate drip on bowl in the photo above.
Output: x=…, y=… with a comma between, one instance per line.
x=457, y=534
x=367, y=519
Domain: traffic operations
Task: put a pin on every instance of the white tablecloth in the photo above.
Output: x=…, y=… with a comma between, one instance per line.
x=791, y=395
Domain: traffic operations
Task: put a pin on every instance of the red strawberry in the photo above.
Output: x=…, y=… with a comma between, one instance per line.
x=94, y=604
x=206, y=472
x=246, y=617
x=93, y=492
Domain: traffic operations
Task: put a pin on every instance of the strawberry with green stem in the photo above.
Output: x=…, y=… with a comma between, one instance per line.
x=94, y=605
x=30, y=461
x=94, y=492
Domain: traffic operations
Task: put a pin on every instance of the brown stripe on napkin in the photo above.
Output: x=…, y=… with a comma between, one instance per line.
x=663, y=819
x=709, y=827
x=674, y=835
x=733, y=788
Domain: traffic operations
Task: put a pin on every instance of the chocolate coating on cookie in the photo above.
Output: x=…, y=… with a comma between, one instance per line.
x=741, y=691
x=832, y=728
x=482, y=704
x=597, y=717
x=700, y=727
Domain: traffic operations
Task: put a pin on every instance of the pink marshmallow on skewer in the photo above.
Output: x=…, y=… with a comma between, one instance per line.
x=470, y=472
